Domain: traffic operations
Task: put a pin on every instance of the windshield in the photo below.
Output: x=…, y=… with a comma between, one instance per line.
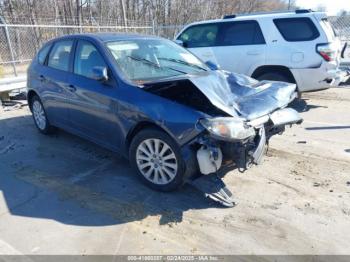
x=142, y=60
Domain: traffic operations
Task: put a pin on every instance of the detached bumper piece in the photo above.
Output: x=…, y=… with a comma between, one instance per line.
x=214, y=188
x=286, y=116
x=345, y=77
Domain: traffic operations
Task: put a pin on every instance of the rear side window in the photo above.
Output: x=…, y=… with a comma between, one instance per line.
x=240, y=33
x=60, y=54
x=43, y=53
x=297, y=29
x=200, y=35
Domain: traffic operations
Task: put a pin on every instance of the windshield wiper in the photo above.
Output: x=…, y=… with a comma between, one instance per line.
x=148, y=62
x=182, y=62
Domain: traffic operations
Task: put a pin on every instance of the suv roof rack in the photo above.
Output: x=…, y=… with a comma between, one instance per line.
x=303, y=11
x=229, y=16
x=297, y=11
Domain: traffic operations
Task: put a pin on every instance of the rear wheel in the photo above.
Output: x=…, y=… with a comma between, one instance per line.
x=156, y=157
x=39, y=116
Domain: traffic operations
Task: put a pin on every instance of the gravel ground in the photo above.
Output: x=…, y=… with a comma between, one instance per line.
x=60, y=194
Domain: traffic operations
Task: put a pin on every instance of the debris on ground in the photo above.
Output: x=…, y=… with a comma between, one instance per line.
x=13, y=105
x=301, y=142
x=214, y=188
x=14, y=100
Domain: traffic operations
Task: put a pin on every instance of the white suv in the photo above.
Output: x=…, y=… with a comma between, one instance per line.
x=299, y=47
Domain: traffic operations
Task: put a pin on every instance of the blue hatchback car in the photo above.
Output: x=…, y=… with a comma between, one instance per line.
x=157, y=104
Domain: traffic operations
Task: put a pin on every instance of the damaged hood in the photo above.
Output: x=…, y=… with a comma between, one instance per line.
x=239, y=95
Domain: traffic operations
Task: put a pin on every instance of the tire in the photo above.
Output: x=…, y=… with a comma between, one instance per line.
x=162, y=171
x=275, y=76
x=39, y=116
x=278, y=77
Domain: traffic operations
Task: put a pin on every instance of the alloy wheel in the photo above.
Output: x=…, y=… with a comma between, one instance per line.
x=156, y=161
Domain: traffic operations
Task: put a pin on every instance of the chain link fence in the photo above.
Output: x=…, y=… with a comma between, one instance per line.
x=341, y=25
x=20, y=42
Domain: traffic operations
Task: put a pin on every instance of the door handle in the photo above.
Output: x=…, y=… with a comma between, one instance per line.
x=72, y=88
x=254, y=52
x=42, y=78
x=207, y=54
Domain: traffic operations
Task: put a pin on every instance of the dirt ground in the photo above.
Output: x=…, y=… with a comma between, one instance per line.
x=60, y=194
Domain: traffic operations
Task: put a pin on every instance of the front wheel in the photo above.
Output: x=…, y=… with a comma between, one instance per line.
x=275, y=76
x=156, y=157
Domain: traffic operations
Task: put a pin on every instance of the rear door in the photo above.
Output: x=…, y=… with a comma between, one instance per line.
x=236, y=46
x=92, y=104
x=54, y=81
x=240, y=46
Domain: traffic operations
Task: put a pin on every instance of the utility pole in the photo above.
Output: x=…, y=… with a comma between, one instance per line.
x=124, y=12
x=289, y=4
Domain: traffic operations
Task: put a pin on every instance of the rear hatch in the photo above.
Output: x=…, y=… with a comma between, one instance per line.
x=332, y=42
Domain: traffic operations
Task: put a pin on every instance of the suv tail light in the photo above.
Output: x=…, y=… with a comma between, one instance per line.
x=327, y=51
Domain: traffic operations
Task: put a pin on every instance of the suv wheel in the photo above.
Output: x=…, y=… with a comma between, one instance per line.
x=275, y=76
x=156, y=157
x=39, y=116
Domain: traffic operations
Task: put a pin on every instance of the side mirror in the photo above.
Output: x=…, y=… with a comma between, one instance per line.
x=181, y=43
x=212, y=65
x=99, y=73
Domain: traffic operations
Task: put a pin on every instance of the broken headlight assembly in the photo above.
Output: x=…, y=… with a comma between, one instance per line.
x=228, y=128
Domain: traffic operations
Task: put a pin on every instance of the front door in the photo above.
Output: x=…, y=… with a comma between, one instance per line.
x=93, y=109
x=201, y=40
x=240, y=46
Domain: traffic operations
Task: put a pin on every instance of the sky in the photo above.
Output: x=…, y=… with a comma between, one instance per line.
x=332, y=6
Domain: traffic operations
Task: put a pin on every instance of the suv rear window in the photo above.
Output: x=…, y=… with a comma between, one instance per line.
x=297, y=29
x=240, y=33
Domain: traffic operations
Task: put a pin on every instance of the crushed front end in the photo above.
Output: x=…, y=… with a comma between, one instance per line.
x=228, y=141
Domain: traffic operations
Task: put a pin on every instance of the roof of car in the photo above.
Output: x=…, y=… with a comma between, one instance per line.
x=250, y=16
x=106, y=37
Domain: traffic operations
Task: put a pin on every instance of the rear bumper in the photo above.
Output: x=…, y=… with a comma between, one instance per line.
x=313, y=79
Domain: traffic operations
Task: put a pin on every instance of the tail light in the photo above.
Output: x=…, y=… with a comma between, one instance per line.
x=327, y=51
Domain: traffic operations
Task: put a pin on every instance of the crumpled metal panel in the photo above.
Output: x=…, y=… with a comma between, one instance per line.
x=242, y=96
x=285, y=116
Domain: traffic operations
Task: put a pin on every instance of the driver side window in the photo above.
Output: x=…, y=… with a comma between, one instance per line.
x=200, y=35
x=86, y=58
